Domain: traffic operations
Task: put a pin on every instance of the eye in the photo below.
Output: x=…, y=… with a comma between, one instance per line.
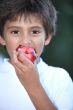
x=15, y=32
x=35, y=32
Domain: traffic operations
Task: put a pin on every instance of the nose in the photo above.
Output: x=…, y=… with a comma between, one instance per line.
x=26, y=41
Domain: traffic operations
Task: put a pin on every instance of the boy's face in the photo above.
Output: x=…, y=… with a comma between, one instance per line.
x=27, y=32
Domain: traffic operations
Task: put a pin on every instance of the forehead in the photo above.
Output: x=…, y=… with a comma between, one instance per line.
x=31, y=18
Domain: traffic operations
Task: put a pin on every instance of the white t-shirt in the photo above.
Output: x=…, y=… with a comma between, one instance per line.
x=55, y=81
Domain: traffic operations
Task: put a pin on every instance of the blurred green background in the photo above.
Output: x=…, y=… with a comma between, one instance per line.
x=59, y=52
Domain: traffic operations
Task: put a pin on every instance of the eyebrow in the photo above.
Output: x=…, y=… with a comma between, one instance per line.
x=9, y=27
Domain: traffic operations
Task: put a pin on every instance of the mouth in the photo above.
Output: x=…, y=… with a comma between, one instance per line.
x=26, y=49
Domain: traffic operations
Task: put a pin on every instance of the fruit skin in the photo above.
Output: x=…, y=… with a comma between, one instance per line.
x=28, y=52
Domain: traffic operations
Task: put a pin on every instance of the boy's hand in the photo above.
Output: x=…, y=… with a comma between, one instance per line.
x=26, y=70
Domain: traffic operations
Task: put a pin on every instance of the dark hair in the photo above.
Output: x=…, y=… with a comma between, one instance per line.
x=9, y=9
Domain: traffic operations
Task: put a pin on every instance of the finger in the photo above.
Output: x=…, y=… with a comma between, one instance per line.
x=23, y=59
x=17, y=64
x=18, y=71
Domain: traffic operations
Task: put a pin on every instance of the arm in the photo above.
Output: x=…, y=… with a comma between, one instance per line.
x=39, y=98
x=28, y=76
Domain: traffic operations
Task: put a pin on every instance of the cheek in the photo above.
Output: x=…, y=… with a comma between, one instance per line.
x=10, y=46
x=39, y=47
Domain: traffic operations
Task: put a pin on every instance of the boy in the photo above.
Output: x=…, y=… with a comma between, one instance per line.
x=27, y=85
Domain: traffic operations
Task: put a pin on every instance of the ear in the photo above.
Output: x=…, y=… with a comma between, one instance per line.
x=2, y=41
x=48, y=39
